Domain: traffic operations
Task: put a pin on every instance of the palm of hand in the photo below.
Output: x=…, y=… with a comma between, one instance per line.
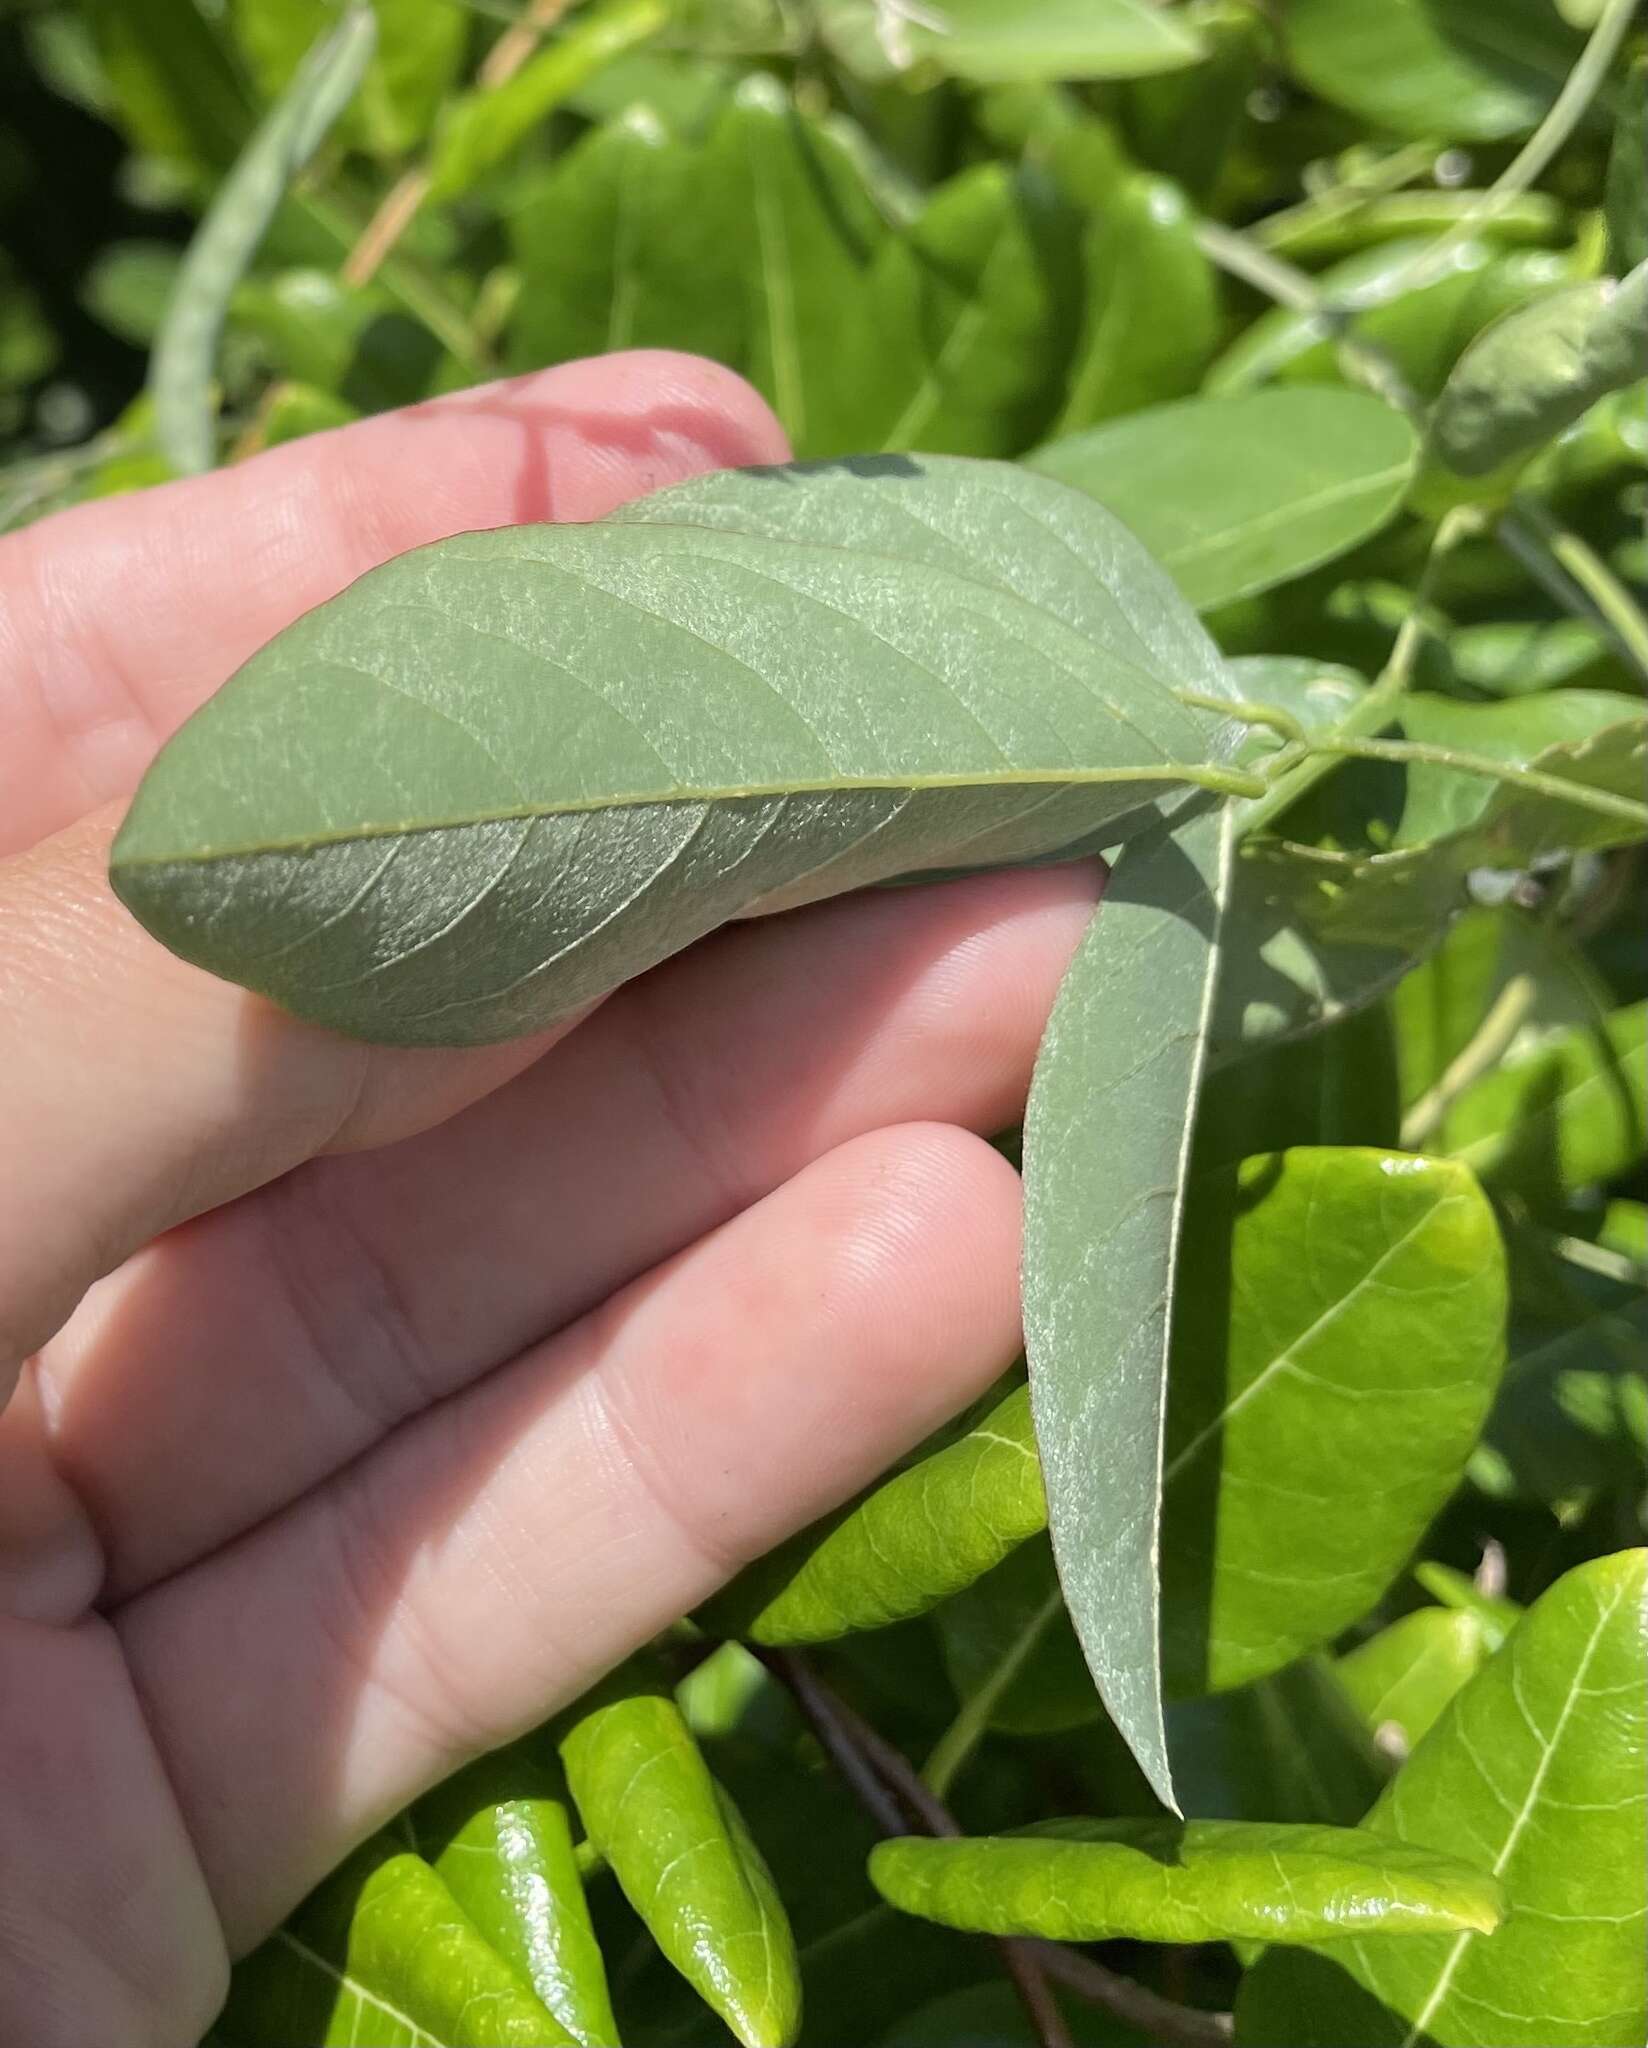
x=418, y=1387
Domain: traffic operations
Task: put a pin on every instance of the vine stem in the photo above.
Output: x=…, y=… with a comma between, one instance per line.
x=1603, y=801
x=1540, y=542
x=1294, y=772
x=1566, y=112
x=400, y=204
x=1485, y=1048
x=895, y=1797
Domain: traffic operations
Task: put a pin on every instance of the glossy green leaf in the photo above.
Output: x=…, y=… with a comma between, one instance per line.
x=475, y=800
x=1336, y=225
x=1562, y=1110
x=1334, y=1361
x=1539, y=1770
x=499, y=1835
x=478, y=131
x=1403, y=1677
x=420, y=49
x=911, y=1542
x=1422, y=328
x=1236, y=495
x=1627, y=189
x=1450, y=70
x=1107, y=1150
x=1094, y=1880
x=383, y=1953
x=1150, y=319
x=1536, y=370
x=685, y=1859
x=185, y=352
x=991, y=41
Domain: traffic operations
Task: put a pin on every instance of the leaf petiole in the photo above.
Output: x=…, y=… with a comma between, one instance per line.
x=1603, y=801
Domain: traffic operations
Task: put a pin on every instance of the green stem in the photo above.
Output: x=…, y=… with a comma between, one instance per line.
x=1339, y=202
x=1291, y=776
x=967, y=1730
x=1567, y=110
x=1603, y=801
x=1484, y=1050
x=1530, y=532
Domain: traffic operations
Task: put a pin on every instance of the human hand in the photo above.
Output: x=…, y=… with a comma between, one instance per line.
x=366, y=1405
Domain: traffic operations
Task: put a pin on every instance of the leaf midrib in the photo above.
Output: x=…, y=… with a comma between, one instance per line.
x=1167, y=772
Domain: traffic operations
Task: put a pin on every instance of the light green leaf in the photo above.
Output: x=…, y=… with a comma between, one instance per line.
x=478, y=131
x=1627, y=188
x=1107, y=1148
x=1536, y=370
x=420, y=49
x=175, y=90
x=1433, y=69
x=382, y=1953
x=1151, y=318
x=1236, y=495
x=684, y=1858
x=909, y=1543
x=1538, y=1769
x=501, y=775
x=1561, y=1111
x=181, y=369
x=755, y=247
x=500, y=1836
x=1404, y=1676
x=1336, y=1354
x=973, y=313
x=1094, y=1880
x=996, y=41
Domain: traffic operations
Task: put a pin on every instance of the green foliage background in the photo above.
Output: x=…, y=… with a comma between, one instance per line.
x=1409, y=1395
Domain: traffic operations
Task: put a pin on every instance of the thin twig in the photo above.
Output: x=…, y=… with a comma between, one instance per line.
x=403, y=199
x=894, y=1795
x=1175, y=2026
x=1487, y=1046
x=1528, y=530
x=1566, y=112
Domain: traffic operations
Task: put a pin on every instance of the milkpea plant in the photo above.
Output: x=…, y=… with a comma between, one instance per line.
x=1222, y=439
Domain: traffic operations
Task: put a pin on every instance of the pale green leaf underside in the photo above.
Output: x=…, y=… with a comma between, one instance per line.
x=1106, y=1149
x=502, y=774
x=1537, y=1770
x=1086, y=1880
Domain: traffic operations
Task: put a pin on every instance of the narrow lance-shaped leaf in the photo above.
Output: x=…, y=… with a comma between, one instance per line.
x=1539, y=1771
x=991, y=41
x=1235, y=495
x=1094, y=1880
x=181, y=370
x=682, y=1853
x=500, y=775
x=911, y=1542
x=1107, y=1150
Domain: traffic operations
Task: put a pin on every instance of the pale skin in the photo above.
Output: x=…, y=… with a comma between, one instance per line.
x=365, y=1405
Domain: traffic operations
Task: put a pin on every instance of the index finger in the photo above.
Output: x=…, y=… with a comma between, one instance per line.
x=119, y=617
